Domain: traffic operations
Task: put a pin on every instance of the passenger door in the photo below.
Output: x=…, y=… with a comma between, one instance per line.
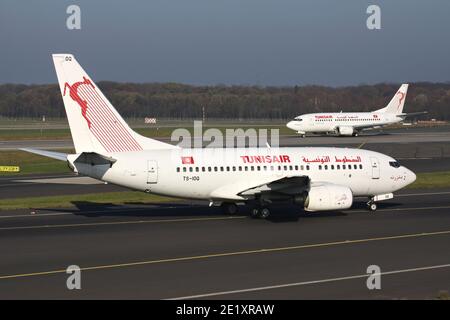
x=375, y=168
x=152, y=172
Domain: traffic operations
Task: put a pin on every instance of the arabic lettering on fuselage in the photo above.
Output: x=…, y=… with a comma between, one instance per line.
x=326, y=159
x=324, y=117
x=323, y=159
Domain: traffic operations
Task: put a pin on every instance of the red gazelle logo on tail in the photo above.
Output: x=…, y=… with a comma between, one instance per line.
x=103, y=121
x=73, y=92
x=402, y=96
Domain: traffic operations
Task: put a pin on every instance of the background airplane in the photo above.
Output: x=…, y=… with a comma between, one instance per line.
x=106, y=148
x=351, y=123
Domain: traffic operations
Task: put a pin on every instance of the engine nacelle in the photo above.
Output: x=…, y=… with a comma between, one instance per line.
x=328, y=197
x=345, y=131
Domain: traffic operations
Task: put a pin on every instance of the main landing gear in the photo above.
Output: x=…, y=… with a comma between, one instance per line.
x=260, y=212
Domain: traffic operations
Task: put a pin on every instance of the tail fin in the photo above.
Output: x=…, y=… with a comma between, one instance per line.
x=395, y=106
x=94, y=123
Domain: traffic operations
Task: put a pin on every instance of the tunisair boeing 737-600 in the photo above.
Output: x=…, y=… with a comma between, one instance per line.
x=316, y=179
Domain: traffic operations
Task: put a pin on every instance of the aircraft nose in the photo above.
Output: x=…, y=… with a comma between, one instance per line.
x=290, y=125
x=410, y=176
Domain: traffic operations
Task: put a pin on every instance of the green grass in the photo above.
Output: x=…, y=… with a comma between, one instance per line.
x=67, y=201
x=431, y=180
x=31, y=164
x=34, y=134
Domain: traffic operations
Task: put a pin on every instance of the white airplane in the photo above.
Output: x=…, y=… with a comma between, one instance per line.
x=317, y=179
x=351, y=123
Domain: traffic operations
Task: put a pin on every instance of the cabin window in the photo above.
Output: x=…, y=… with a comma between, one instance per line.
x=191, y=169
x=234, y=168
x=246, y=168
x=360, y=166
x=295, y=168
x=221, y=168
x=178, y=169
x=326, y=167
x=332, y=167
x=355, y=166
x=272, y=168
x=215, y=169
x=279, y=168
x=252, y=168
x=240, y=168
x=184, y=169
x=290, y=168
x=338, y=166
x=265, y=168
x=285, y=168
x=307, y=167
x=320, y=167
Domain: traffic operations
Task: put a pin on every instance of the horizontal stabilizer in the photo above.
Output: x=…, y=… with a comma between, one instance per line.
x=48, y=154
x=412, y=114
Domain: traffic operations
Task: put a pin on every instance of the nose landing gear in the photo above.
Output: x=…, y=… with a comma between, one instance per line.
x=372, y=205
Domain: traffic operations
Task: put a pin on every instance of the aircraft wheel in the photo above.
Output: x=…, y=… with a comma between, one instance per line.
x=355, y=134
x=372, y=206
x=230, y=208
x=254, y=213
x=265, y=213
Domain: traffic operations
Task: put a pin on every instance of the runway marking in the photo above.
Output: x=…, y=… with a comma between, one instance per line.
x=297, y=284
x=399, y=209
x=231, y=254
x=412, y=194
x=422, y=194
x=38, y=215
x=48, y=226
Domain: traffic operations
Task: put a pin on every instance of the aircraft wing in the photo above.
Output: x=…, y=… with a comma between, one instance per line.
x=48, y=154
x=243, y=190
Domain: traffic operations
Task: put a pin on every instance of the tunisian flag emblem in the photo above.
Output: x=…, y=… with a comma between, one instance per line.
x=187, y=160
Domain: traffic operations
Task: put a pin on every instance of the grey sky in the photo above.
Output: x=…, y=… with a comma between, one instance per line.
x=265, y=42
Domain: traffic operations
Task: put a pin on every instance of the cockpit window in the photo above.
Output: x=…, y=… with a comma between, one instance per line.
x=394, y=164
x=298, y=119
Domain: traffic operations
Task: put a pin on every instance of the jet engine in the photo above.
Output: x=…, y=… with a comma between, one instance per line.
x=328, y=197
x=345, y=131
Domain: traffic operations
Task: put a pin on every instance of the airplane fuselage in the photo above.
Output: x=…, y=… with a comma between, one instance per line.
x=216, y=174
x=341, y=123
